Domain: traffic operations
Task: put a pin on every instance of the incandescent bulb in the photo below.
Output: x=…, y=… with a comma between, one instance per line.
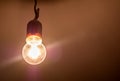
x=34, y=52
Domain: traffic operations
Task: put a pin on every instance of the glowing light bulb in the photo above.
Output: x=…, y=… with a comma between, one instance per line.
x=34, y=52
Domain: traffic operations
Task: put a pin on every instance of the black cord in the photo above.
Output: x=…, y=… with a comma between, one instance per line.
x=36, y=10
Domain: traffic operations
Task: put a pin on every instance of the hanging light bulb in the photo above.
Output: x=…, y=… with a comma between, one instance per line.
x=34, y=52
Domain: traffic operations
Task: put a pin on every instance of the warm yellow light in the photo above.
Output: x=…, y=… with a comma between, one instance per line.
x=34, y=52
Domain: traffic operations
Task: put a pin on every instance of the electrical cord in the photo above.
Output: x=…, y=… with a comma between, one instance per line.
x=36, y=10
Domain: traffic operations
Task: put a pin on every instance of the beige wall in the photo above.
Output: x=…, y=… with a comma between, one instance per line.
x=82, y=37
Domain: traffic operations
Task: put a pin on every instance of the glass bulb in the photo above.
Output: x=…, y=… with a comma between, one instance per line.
x=34, y=52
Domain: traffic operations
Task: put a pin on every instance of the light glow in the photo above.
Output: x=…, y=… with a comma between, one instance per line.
x=34, y=52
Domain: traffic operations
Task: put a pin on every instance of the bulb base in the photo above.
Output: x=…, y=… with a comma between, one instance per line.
x=34, y=27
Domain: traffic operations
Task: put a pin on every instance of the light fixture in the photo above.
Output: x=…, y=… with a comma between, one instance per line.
x=34, y=52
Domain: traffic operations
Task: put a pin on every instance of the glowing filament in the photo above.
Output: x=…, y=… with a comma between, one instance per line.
x=34, y=51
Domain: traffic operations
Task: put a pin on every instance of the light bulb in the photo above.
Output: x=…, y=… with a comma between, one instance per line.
x=34, y=52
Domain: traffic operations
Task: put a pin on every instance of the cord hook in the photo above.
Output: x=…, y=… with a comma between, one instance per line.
x=36, y=10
